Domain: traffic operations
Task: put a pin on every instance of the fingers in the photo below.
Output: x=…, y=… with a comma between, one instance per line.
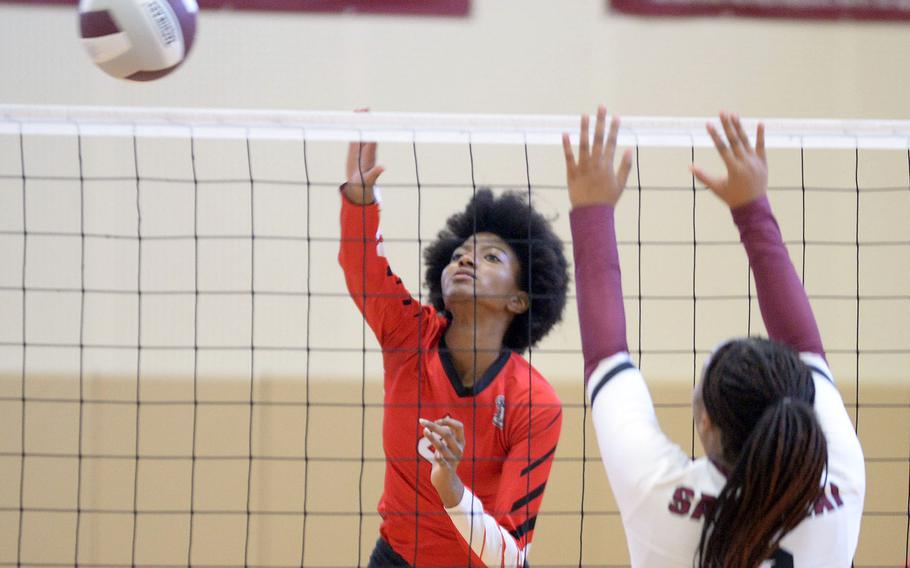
x=760, y=142
x=443, y=452
x=444, y=439
x=570, y=156
x=361, y=163
x=446, y=431
x=356, y=161
x=625, y=166
x=353, y=157
x=368, y=156
x=741, y=133
x=361, y=157
x=722, y=149
x=370, y=176
x=713, y=183
x=583, y=152
x=456, y=426
x=597, y=148
x=610, y=150
x=732, y=137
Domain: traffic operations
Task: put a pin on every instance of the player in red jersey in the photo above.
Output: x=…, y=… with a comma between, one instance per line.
x=470, y=427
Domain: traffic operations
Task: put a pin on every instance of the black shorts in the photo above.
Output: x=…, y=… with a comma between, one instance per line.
x=383, y=555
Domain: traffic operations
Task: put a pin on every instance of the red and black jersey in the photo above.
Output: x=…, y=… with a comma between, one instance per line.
x=512, y=419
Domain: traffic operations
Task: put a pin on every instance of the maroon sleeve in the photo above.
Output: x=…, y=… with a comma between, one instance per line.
x=598, y=285
x=781, y=296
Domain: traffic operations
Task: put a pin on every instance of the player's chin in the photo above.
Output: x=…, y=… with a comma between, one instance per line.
x=464, y=299
x=458, y=295
x=460, y=289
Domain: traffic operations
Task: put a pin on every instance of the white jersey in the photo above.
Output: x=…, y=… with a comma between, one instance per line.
x=663, y=495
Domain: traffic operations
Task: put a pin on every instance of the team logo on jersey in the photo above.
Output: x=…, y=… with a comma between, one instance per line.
x=500, y=416
x=425, y=450
x=380, y=249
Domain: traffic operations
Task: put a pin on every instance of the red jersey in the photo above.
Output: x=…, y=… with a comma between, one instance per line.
x=512, y=419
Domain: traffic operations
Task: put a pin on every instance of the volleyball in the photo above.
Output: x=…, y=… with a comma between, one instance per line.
x=139, y=40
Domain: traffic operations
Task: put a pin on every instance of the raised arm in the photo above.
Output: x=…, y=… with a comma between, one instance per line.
x=594, y=189
x=383, y=300
x=781, y=296
x=635, y=452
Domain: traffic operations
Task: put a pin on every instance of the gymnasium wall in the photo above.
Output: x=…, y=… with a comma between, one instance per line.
x=509, y=56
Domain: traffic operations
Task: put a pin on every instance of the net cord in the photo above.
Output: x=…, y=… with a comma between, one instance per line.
x=439, y=128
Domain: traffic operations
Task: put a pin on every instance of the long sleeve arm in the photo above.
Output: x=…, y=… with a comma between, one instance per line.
x=487, y=538
x=784, y=305
x=383, y=300
x=635, y=452
x=502, y=536
x=598, y=284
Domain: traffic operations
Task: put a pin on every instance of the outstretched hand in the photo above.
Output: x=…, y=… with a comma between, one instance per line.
x=747, y=167
x=592, y=179
x=362, y=171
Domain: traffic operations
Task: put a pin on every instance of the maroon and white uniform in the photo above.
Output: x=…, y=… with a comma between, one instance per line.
x=663, y=495
x=512, y=419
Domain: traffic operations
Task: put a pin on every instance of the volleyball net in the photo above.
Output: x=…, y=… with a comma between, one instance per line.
x=184, y=379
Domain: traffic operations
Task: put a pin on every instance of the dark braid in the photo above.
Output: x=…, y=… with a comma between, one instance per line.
x=759, y=394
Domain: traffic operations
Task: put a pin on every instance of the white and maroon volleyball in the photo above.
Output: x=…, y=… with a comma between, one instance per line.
x=138, y=40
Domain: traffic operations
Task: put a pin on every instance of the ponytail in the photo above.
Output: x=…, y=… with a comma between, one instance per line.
x=771, y=489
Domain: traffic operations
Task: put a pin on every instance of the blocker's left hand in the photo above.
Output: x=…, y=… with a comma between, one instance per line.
x=747, y=167
x=447, y=437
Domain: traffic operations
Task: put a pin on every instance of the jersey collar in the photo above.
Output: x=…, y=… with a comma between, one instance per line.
x=482, y=383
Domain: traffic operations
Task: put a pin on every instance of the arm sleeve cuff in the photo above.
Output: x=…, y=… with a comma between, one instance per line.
x=464, y=506
x=484, y=535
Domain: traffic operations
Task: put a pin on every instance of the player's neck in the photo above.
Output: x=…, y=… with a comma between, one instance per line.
x=474, y=346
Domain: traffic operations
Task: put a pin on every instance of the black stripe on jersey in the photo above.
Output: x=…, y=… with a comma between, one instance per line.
x=606, y=378
x=552, y=422
x=537, y=462
x=524, y=528
x=534, y=494
x=815, y=369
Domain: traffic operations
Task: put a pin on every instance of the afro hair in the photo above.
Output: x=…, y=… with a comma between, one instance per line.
x=544, y=269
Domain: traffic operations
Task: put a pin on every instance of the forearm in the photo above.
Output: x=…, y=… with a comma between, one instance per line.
x=784, y=305
x=486, y=537
x=356, y=254
x=598, y=284
x=378, y=293
x=451, y=491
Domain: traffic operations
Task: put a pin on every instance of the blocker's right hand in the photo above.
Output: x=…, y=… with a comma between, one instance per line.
x=592, y=179
x=362, y=173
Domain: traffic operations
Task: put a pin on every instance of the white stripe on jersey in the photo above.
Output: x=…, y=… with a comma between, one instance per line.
x=484, y=534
